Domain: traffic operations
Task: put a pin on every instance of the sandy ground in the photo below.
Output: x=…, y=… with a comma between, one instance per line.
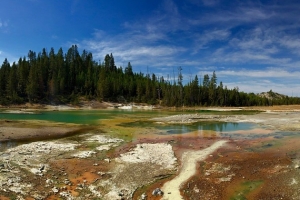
x=171, y=189
x=18, y=133
x=26, y=130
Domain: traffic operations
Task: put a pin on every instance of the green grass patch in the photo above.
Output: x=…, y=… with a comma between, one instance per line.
x=246, y=188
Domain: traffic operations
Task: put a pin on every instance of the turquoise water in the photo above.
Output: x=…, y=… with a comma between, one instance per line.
x=77, y=117
x=93, y=117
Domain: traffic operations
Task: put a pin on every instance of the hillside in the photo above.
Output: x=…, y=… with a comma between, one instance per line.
x=272, y=95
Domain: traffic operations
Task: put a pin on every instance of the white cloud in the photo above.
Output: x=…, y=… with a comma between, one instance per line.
x=130, y=47
x=291, y=43
x=3, y=24
x=147, y=41
x=261, y=46
x=256, y=81
x=258, y=86
x=237, y=15
x=202, y=40
x=268, y=73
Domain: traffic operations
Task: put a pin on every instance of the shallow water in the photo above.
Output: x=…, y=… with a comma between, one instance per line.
x=198, y=126
x=137, y=119
x=77, y=117
x=93, y=116
x=213, y=126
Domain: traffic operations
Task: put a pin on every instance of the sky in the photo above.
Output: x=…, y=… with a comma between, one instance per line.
x=250, y=44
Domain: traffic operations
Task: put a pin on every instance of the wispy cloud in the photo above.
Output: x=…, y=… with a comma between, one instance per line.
x=267, y=73
x=3, y=24
x=126, y=48
x=259, y=80
x=145, y=41
x=252, y=40
x=165, y=19
x=237, y=15
x=203, y=40
x=258, y=86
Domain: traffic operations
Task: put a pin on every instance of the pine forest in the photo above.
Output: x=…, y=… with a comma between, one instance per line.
x=58, y=78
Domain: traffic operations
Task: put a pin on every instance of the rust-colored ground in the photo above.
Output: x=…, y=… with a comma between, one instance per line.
x=263, y=174
x=78, y=172
x=244, y=169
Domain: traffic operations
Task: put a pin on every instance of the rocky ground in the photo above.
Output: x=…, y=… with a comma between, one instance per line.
x=71, y=170
x=97, y=165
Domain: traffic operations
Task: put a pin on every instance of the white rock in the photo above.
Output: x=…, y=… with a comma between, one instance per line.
x=55, y=190
x=160, y=153
x=84, y=154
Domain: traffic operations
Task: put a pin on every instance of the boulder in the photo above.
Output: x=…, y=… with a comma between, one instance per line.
x=157, y=192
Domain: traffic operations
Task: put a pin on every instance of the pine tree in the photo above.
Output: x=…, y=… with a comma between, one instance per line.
x=4, y=77
x=212, y=88
x=128, y=70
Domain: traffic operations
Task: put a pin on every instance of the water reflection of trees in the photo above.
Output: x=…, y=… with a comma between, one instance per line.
x=200, y=127
x=218, y=126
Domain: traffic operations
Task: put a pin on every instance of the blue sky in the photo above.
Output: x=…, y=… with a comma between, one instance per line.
x=254, y=45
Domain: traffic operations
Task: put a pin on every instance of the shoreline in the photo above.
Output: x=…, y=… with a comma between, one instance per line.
x=108, y=105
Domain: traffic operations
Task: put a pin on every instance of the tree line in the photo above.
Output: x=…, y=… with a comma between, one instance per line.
x=55, y=78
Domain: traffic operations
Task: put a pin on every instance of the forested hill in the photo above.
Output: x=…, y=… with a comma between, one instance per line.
x=55, y=77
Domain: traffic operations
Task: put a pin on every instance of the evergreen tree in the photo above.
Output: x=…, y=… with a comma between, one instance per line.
x=212, y=89
x=180, y=85
x=48, y=77
x=12, y=82
x=128, y=70
x=4, y=78
x=112, y=66
x=23, y=73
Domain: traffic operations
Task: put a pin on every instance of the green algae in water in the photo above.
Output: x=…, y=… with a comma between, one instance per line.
x=79, y=116
x=246, y=188
x=76, y=117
